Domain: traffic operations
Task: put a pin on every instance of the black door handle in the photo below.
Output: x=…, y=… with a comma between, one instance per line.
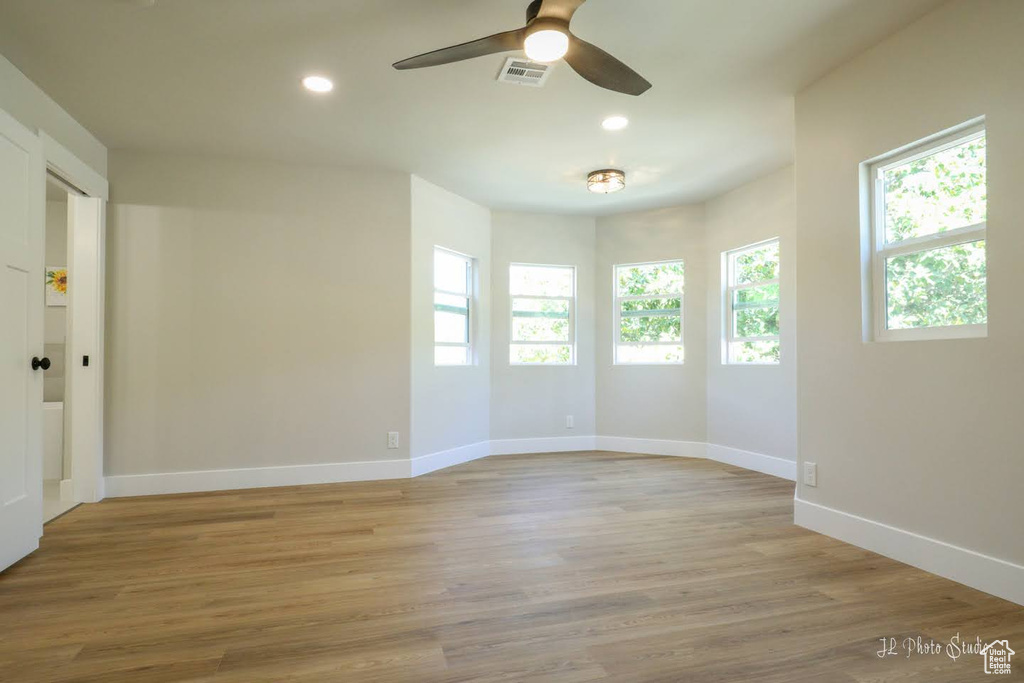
x=43, y=363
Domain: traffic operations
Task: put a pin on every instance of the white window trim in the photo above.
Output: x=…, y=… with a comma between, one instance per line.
x=571, y=343
x=730, y=289
x=468, y=295
x=617, y=309
x=881, y=251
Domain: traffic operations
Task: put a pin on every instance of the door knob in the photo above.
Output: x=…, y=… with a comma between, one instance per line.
x=43, y=363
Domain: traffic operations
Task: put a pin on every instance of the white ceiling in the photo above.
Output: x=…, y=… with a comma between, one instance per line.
x=222, y=77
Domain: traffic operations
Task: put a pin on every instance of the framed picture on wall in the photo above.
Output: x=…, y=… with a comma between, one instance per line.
x=56, y=286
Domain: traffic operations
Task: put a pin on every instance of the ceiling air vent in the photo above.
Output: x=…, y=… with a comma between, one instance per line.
x=519, y=71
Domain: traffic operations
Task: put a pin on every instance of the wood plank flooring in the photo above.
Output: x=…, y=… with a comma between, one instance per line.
x=560, y=568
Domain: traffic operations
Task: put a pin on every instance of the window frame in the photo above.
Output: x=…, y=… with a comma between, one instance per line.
x=731, y=288
x=881, y=251
x=571, y=342
x=617, y=315
x=468, y=295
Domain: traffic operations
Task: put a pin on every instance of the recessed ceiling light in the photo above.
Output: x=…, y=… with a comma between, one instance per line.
x=615, y=123
x=318, y=84
x=607, y=181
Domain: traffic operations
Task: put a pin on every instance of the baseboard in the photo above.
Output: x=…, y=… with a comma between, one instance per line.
x=549, y=444
x=332, y=473
x=748, y=460
x=989, y=574
x=254, y=477
x=425, y=464
x=626, y=444
x=67, y=489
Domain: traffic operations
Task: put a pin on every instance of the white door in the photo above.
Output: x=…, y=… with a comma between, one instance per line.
x=22, y=202
x=83, y=391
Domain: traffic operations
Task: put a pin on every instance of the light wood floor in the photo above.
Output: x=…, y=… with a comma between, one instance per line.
x=562, y=568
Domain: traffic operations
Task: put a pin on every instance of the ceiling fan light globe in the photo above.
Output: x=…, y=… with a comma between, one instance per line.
x=546, y=45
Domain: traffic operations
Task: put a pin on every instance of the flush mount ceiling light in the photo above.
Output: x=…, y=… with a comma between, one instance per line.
x=546, y=45
x=318, y=84
x=615, y=123
x=606, y=181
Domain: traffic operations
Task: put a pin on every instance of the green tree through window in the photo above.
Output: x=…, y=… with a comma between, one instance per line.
x=649, y=303
x=752, y=304
x=932, y=251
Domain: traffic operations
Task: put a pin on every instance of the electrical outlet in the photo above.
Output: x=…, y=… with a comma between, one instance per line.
x=811, y=473
x=570, y=422
x=392, y=439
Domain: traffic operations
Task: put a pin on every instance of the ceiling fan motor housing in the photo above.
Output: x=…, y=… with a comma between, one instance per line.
x=548, y=24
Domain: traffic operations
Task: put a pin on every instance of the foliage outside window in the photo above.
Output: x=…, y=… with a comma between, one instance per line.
x=453, y=298
x=752, y=304
x=649, y=313
x=929, y=224
x=543, y=312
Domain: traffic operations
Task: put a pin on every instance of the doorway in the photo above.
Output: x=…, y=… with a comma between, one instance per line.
x=26, y=159
x=58, y=492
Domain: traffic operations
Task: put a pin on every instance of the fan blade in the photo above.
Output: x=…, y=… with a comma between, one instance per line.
x=601, y=69
x=559, y=9
x=501, y=42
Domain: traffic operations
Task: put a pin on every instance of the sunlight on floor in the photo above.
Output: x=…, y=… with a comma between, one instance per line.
x=53, y=506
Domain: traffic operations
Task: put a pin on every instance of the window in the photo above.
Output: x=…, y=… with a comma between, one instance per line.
x=543, y=307
x=752, y=304
x=453, y=299
x=928, y=224
x=649, y=313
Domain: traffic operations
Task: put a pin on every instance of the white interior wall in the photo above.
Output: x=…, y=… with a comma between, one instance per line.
x=258, y=315
x=449, y=404
x=918, y=437
x=22, y=99
x=666, y=402
x=533, y=401
x=753, y=407
x=55, y=318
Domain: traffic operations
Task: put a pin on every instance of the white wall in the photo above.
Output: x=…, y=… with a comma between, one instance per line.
x=258, y=314
x=55, y=318
x=654, y=402
x=449, y=404
x=533, y=402
x=922, y=436
x=23, y=100
x=753, y=407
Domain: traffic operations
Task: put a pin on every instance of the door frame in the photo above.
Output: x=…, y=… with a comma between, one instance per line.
x=86, y=428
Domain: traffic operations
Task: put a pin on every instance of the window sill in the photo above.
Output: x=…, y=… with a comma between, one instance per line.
x=934, y=333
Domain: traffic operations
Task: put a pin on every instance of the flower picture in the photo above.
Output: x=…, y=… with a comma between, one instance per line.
x=56, y=286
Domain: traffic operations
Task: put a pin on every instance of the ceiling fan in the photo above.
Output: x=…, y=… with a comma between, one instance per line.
x=546, y=37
